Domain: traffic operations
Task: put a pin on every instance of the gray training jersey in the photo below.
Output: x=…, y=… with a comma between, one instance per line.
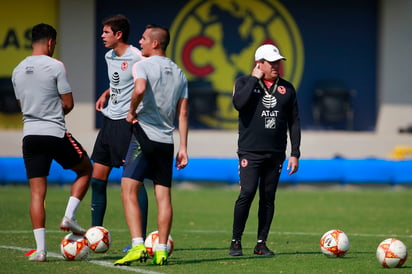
x=165, y=85
x=121, y=82
x=38, y=82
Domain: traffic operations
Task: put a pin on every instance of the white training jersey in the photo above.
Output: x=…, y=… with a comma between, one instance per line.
x=165, y=85
x=121, y=82
x=38, y=82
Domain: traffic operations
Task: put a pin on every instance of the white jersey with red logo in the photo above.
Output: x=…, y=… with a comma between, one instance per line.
x=121, y=82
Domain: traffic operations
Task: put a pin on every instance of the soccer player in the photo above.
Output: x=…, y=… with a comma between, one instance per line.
x=45, y=96
x=268, y=111
x=159, y=95
x=113, y=138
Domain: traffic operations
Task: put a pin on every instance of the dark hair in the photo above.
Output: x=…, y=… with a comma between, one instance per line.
x=43, y=31
x=118, y=22
x=161, y=34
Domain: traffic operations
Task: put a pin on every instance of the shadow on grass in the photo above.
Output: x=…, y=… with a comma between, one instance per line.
x=202, y=248
x=315, y=252
x=178, y=261
x=227, y=258
x=219, y=257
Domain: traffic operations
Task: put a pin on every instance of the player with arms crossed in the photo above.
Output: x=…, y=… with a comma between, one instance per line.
x=45, y=96
x=160, y=94
x=113, y=139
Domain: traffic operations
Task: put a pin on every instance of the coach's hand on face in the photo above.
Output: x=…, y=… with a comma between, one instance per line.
x=257, y=72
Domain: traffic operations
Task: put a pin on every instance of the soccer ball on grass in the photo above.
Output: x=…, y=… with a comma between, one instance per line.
x=391, y=253
x=99, y=239
x=334, y=243
x=152, y=240
x=74, y=247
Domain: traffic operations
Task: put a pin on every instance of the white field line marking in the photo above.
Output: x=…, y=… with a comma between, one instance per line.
x=304, y=233
x=228, y=232
x=101, y=263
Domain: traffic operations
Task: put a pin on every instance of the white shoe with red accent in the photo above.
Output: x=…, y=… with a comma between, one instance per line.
x=38, y=256
x=68, y=224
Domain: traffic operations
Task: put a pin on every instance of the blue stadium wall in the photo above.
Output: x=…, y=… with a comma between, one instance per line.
x=311, y=171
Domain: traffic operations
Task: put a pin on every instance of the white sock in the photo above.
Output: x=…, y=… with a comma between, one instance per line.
x=137, y=241
x=161, y=247
x=40, y=237
x=71, y=208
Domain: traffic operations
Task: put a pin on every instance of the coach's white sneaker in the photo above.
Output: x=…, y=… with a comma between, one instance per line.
x=38, y=256
x=68, y=224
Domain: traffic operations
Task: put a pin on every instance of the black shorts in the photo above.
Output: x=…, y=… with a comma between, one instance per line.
x=112, y=142
x=148, y=159
x=40, y=150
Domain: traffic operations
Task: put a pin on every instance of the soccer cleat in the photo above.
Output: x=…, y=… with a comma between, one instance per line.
x=38, y=256
x=235, y=248
x=68, y=224
x=136, y=253
x=160, y=257
x=263, y=250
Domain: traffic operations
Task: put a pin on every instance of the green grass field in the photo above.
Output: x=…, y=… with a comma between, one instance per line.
x=202, y=230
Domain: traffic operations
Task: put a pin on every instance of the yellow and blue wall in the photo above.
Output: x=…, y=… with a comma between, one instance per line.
x=364, y=44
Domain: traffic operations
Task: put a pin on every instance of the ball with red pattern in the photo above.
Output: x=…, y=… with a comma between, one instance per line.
x=152, y=240
x=391, y=253
x=99, y=239
x=334, y=243
x=74, y=247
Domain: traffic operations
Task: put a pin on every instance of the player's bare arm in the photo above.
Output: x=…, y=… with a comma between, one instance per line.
x=137, y=97
x=67, y=102
x=182, y=157
x=100, y=103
